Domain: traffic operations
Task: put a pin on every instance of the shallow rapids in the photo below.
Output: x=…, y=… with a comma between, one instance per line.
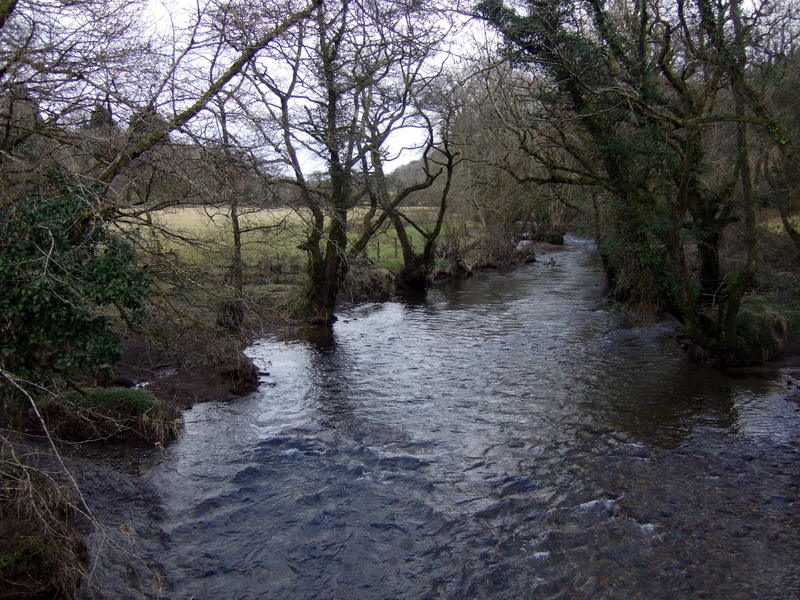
x=508, y=437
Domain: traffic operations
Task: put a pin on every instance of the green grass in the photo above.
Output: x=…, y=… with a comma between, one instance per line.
x=188, y=252
x=203, y=239
x=130, y=402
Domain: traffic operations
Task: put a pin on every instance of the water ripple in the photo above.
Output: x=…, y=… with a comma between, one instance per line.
x=508, y=438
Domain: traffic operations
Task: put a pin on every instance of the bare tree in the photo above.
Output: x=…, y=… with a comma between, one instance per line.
x=71, y=73
x=345, y=84
x=438, y=108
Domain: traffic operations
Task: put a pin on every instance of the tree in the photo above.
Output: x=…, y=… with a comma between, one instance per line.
x=653, y=92
x=507, y=189
x=65, y=168
x=779, y=163
x=348, y=80
x=417, y=267
x=232, y=182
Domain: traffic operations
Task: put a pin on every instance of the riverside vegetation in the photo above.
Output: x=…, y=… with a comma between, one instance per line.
x=155, y=218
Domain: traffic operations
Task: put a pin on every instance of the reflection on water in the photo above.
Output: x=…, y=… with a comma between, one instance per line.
x=507, y=438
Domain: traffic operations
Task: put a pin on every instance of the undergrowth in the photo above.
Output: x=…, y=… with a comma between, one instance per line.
x=104, y=413
x=41, y=554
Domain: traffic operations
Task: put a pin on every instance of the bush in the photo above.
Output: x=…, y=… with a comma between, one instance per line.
x=553, y=236
x=762, y=330
x=368, y=283
x=63, y=273
x=525, y=254
x=491, y=250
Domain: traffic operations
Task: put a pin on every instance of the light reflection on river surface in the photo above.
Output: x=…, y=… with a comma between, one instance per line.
x=508, y=437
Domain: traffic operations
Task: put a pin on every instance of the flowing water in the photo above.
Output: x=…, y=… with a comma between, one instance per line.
x=508, y=437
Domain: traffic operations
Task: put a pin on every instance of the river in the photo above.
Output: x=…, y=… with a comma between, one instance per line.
x=508, y=437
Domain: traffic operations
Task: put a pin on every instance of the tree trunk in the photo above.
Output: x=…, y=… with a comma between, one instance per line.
x=413, y=275
x=231, y=314
x=417, y=268
x=793, y=234
x=709, y=267
x=327, y=272
x=738, y=281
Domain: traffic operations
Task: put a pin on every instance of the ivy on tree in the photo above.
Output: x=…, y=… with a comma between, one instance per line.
x=62, y=272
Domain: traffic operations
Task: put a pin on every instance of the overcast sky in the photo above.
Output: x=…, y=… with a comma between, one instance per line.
x=162, y=16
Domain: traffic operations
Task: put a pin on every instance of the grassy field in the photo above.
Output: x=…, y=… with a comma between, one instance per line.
x=202, y=237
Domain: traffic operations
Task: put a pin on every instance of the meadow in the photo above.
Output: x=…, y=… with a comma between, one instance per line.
x=202, y=236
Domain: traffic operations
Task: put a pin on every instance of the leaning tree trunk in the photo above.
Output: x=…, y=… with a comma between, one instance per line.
x=417, y=268
x=414, y=275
